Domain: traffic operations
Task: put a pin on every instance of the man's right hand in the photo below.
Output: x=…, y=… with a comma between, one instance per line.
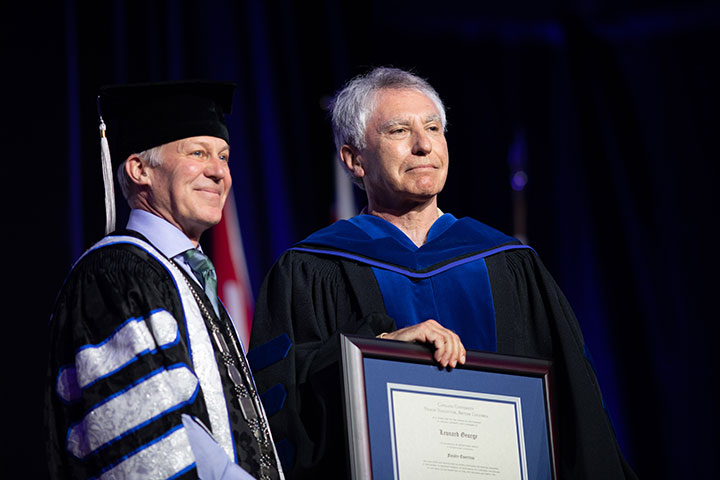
x=449, y=350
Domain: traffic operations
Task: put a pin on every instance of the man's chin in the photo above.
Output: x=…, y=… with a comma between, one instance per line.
x=213, y=221
x=424, y=195
x=209, y=218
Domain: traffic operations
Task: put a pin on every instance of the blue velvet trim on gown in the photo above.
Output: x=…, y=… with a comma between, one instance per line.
x=269, y=352
x=445, y=279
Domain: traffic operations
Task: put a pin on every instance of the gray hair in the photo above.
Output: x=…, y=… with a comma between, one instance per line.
x=151, y=157
x=354, y=104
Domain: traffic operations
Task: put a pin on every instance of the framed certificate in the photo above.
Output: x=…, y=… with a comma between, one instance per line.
x=407, y=418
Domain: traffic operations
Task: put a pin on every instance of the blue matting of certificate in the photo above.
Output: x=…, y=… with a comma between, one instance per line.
x=378, y=373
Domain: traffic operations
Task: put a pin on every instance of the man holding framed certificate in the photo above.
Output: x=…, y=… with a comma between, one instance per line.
x=405, y=270
x=409, y=420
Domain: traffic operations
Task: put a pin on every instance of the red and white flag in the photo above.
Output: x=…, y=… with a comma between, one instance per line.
x=234, y=287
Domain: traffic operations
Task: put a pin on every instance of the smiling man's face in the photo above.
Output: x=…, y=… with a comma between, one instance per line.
x=191, y=185
x=406, y=156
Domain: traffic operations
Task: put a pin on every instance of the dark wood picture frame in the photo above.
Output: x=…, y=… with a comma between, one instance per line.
x=355, y=350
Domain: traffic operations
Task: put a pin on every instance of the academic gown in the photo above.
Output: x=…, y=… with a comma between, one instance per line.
x=364, y=277
x=127, y=359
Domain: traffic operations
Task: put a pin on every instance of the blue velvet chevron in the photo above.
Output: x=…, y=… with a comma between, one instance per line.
x=269, y=352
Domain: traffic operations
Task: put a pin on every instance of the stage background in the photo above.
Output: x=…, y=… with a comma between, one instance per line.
x=610, y=108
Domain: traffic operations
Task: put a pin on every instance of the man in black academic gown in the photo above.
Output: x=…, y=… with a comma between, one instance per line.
x=147, y=377
x=405, y=270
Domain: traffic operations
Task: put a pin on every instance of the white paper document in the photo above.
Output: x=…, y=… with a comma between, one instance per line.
x=455, y=435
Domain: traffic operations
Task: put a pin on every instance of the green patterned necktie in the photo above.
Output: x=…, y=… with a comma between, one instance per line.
x=204, y=271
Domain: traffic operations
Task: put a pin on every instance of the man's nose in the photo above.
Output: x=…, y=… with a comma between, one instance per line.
x=421, y=143
x=217, y=168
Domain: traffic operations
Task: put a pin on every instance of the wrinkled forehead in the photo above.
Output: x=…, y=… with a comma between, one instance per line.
x=200, y=142
x=394, y=105
x=206, y=141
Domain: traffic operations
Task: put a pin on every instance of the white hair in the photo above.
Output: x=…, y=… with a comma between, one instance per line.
x=354, y=104
x=150, y=157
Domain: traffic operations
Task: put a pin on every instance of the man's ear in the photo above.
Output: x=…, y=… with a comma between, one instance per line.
x=350, y=156
x=137, y=171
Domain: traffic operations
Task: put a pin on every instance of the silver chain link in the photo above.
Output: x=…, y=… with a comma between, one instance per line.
x=258, y=425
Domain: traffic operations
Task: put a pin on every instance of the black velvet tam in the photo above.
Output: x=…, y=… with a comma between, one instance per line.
x=146, y=115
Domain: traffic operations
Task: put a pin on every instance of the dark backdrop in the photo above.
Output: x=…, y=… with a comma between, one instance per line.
x=610, y=107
